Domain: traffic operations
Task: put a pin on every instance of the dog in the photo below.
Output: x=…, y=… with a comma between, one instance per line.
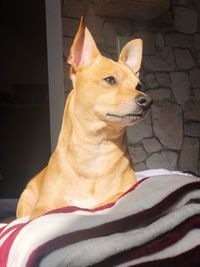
x=91, y=165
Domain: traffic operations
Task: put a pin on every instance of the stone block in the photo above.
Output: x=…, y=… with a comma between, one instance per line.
x=95, y=24
x=139, y=167
x=160, y=94
x=182, y=2
x=123, y=27
x=163, y=79
x=197, y=41
x=165, y=159
x=179, y=40
x=152, y=145
x=150, y=81
x=167, y=17
x=184, y=59
x=67, y=43
x=192, y=129
x=74, y=8
x=134, y=9
x=67, y=81
x=69, y=27
x=185, y=20
x=192, y=111
x=195, y=4
x=162, y=61
x=180, y=87
x=149, y=40
x=197, y=94
x=168, y=125
x=137, y=153
x=198, y=57
x=189, y=156
x=107, y=50
x=139, y=131
x=195, y=77
x=109, y=34
x=160, y=42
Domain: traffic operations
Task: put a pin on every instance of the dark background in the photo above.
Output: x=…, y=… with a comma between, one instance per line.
x=24, y=107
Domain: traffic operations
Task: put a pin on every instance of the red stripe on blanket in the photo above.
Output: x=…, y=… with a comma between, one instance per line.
x=2, y=228
x=125, y=224
x=5, y=248
x=10, y=229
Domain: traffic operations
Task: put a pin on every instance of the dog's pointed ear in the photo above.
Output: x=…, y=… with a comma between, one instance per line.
x=131, y=54
x=83, y=49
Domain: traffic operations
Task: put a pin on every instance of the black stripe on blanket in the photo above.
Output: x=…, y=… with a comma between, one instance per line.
x=190, y=258
x=156, y=245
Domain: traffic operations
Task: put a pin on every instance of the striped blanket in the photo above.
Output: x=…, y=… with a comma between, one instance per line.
x=155, y=223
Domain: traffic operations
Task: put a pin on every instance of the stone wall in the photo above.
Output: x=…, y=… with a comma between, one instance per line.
x=170, y=136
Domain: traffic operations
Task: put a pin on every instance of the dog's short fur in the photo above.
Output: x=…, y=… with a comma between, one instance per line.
x=91, y=165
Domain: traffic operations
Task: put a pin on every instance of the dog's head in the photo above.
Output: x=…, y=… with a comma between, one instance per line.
x=105, y=88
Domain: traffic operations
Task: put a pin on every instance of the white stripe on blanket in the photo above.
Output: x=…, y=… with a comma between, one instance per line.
x=178, y=195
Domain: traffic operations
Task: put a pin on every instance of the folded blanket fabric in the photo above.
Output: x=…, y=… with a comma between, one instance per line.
x=156, y=223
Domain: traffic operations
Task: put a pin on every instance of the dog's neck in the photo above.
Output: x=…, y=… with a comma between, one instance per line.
x=100, y=151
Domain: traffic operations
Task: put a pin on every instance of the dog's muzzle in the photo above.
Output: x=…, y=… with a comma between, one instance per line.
x=143, y=103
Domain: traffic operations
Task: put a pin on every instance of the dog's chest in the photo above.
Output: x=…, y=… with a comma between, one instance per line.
x=88, y=202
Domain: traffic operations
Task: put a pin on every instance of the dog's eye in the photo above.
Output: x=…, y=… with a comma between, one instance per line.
x=110, y=79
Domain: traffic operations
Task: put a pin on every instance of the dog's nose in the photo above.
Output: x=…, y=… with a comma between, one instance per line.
x=143, y=101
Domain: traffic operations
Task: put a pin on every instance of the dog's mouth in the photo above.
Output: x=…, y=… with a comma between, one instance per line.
x=132, y=117
x=129, y=117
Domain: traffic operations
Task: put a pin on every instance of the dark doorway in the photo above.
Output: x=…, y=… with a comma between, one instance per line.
x=24, y=105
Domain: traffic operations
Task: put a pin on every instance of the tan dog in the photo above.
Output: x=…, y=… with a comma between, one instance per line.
x=91, y=165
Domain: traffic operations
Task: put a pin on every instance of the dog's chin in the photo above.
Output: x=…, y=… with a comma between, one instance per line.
x=126, y=119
